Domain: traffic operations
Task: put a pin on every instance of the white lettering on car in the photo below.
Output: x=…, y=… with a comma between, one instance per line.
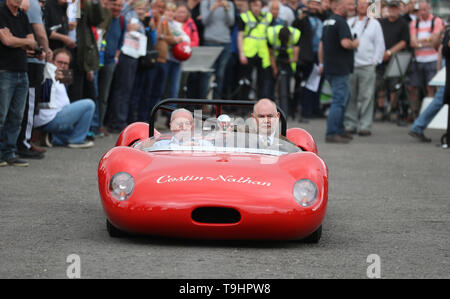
x=221, y=178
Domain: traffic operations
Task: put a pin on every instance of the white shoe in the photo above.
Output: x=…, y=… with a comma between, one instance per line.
x=86, y=144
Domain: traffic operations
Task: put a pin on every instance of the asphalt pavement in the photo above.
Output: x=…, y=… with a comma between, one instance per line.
x=388, y=198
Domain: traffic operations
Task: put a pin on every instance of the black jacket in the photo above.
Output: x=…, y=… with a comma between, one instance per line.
x=446, y=54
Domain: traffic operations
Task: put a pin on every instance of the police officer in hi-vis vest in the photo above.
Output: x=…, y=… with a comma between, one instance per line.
x=284, y=47
x=253, y=49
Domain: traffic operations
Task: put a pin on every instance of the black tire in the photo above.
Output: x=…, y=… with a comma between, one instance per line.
x=113, y=231
x=313, y=238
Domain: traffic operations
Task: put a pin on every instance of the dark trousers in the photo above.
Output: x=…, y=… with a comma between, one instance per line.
x=264, y=79
x=81, y=88
x=122, y=89
x=304, y=69
x=35, y=78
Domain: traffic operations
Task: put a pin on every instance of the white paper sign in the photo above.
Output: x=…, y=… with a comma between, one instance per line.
x=134, y=44
x=314, y=79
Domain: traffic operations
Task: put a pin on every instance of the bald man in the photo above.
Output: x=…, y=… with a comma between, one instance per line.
x=267, y=119
x=181, y=120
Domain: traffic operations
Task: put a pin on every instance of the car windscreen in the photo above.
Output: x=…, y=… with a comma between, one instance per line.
x=224, y=142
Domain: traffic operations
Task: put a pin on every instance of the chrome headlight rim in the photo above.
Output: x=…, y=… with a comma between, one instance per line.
x=305, y=192
x=121, y=185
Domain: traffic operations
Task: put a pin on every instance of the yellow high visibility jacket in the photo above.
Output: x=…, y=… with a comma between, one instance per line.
x=274, y=41
x=255, y=36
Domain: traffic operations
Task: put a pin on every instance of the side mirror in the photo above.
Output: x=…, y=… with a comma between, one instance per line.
x=302, y=139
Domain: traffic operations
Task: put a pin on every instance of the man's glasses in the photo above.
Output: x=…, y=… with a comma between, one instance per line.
x=62, y=63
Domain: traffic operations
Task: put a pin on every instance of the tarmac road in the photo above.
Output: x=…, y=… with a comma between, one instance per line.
x=389, y=196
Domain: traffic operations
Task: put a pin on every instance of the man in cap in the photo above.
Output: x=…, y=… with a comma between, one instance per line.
x=396, y=38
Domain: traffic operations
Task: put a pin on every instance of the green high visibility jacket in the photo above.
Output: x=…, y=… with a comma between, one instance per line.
x=255, y=36
x=274, y=41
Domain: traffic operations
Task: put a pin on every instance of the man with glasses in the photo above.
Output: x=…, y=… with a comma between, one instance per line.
x=67, y=122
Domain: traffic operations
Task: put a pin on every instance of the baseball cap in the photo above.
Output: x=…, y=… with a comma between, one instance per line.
x=394, y=3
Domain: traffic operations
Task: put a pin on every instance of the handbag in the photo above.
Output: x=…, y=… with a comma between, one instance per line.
x=148, y=61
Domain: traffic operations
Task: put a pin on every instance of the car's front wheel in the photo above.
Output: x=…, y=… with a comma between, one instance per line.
x=113, y=231
x=313, y=238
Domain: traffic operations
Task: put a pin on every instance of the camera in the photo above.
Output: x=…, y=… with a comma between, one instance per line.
x=38, y=51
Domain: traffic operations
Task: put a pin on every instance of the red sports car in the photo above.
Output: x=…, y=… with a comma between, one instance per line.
x=219, y=185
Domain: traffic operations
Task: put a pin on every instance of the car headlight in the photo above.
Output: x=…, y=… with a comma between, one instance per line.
x=305, y=192
x=121, y=185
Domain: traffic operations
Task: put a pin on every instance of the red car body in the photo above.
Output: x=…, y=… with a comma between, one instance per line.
x=179, y=194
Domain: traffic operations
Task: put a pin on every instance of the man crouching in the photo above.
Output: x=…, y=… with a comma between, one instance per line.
x=68, y=123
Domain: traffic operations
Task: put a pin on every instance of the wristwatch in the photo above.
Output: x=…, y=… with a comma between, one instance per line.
x=161, y=36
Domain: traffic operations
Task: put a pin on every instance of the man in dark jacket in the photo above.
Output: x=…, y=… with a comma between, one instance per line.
x=86, y=56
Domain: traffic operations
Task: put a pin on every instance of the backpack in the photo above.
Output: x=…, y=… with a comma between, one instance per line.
x=432, y=25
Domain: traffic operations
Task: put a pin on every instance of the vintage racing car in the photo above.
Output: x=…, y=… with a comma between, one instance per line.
x=219, y=185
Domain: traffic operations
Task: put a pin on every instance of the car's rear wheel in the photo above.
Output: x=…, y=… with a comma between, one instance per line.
x=113, y=231
x=313, y=238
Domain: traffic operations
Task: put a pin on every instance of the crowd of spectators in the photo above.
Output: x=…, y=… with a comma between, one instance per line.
x=67, y=75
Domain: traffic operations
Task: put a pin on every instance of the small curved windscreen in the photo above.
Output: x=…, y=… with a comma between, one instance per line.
x=218, y=141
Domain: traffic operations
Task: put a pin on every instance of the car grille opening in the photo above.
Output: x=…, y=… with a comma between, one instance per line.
x=216, y=215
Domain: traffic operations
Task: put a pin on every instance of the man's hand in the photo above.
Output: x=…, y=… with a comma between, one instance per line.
x=59, y=75
x=72, y=25
x=178, y=39
x=225, y=4
x=275, y=70
x=216, y=4
x=90, y=76
x=243, y=59
x=320, y=72
x=30, y=53
x=133, y=27
x=69, y=42
x=48, y=54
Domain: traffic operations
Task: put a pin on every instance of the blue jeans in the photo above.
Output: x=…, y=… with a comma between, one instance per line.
x=424, y=119
x=13, y=96
x=174, y=77
x=72, y=123
x=340, y=86
x=220, y=66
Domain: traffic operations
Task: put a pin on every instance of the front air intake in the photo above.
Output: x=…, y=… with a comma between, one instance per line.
x=216, y=215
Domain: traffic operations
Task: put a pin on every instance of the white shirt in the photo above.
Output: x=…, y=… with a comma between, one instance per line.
x=371, y=41
x=61, y=100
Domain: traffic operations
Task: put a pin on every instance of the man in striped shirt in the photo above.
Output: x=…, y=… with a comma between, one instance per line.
x=423, y=31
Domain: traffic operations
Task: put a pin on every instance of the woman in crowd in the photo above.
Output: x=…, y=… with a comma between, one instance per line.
x=173, y=65
x=183, y=15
